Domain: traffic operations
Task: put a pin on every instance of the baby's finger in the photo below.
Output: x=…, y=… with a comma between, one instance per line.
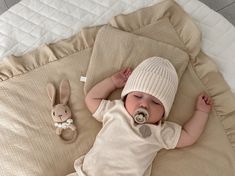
x=127, y=72
x=123, y=71
x=209, y=102
x=201, y=97
x=205, y=98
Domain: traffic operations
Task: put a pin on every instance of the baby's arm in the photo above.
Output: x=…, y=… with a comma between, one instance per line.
x=194, y=127
x=104, y=88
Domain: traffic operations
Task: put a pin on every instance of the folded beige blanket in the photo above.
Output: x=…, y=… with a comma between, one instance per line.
x=29, y=145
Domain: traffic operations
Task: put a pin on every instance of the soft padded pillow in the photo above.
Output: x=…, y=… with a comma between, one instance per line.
x=115, y=49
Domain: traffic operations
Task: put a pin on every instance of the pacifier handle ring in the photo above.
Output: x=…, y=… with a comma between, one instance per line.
x=139, y=118
x=141, y=115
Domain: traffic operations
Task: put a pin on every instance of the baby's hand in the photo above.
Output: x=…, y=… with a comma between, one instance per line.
x=119, y=79
x=204, y=103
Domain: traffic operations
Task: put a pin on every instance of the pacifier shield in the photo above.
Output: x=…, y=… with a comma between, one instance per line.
x=141, y=115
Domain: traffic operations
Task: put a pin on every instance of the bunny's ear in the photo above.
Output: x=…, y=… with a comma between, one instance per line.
x=64, y=91
x=51, y=93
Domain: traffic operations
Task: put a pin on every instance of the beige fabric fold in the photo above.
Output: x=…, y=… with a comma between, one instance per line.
x=29, y=145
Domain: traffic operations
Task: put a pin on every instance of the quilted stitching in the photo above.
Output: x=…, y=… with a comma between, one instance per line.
x=31, y=23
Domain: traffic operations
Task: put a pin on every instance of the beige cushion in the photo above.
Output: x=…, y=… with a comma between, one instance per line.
x=115, y=49
x=29, y=145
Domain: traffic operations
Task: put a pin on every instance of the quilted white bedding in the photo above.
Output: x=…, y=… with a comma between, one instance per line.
x=31, y=23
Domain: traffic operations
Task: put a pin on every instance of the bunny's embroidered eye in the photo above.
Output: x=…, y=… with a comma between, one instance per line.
x=53, y=113
x=65, y=111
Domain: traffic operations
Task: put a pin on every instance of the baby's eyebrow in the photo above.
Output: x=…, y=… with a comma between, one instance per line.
x=137, y=93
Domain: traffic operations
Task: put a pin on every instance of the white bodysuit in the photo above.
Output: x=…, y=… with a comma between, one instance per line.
x=120, y=148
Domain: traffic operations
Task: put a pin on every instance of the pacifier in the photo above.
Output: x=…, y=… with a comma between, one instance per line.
x=141, y=115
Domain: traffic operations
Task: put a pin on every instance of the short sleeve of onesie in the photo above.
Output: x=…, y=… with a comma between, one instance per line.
x=170, y=134
x=104, y=106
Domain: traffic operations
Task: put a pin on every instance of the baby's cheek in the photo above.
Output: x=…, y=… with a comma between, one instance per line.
x=129, y=109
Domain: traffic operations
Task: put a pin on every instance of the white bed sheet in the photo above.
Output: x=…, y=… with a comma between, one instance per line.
x=31, y=23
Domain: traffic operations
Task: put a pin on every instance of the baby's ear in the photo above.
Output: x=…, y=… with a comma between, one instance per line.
x=64, y=91
x=51, y=93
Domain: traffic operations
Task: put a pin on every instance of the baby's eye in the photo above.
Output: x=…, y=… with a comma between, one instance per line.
x=155, y=102
x=65, y=111
x=138, y=96
x=53, y=113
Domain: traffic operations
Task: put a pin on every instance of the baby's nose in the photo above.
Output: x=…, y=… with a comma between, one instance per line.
x=144, y=104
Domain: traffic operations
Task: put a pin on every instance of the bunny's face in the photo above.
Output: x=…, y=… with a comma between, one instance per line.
x=60, y=113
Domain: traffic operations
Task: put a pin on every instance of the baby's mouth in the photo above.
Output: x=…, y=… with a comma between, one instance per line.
x=141, y=115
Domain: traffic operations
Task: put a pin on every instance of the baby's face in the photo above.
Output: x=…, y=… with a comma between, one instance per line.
x=136, y=100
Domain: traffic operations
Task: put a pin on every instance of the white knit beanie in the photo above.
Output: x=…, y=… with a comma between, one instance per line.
x=155, y=76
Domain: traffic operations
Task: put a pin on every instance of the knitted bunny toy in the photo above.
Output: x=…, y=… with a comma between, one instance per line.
x=61, y=113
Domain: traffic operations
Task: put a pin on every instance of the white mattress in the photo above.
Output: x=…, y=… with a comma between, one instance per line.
x=31, y=23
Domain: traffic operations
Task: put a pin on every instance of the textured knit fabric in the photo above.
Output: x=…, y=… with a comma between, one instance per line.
x=155, y=76
x=119, y=148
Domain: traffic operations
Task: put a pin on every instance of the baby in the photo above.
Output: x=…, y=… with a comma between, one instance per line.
x=135, y=127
